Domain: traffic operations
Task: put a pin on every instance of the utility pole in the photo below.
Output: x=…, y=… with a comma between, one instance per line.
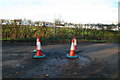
x=57, y=21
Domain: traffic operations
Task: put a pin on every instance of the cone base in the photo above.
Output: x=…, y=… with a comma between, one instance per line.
x=72, y=56
x=39, y=56
x=36, y=50
x=77, y=50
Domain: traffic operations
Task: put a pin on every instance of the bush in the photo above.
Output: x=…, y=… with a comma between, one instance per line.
x=30, y=32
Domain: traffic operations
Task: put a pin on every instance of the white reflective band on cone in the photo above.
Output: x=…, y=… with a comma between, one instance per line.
x=39, y=46
x=75, y=42
x=72, y=46
x=37, y=41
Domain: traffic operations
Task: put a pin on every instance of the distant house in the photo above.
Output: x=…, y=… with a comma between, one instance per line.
x=24, y=22
x=49, y=24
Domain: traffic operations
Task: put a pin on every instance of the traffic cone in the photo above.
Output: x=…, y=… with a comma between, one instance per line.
x=72, y=50
x=36, y=47
x=38, y=50
x=75, y=45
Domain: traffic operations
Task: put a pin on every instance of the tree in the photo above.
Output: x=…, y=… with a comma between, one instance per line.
x=109, y=27
x=30, y=22
x=2, y=21
x=57, y=22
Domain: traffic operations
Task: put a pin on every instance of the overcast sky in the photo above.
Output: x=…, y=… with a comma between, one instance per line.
x=76, y=11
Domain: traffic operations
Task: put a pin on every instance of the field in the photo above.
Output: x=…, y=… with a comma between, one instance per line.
x=96, y=60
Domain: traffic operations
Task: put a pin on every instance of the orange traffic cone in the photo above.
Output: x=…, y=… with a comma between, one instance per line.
x=72, y=50
x=36, y=46
x=38, y=50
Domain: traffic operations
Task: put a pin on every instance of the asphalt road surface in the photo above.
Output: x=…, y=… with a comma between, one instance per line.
x=96, y=60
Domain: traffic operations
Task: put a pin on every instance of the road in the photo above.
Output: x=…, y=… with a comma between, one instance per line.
x=96, y=60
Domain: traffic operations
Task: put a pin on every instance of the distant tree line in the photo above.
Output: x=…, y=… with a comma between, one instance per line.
x=59, y=23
